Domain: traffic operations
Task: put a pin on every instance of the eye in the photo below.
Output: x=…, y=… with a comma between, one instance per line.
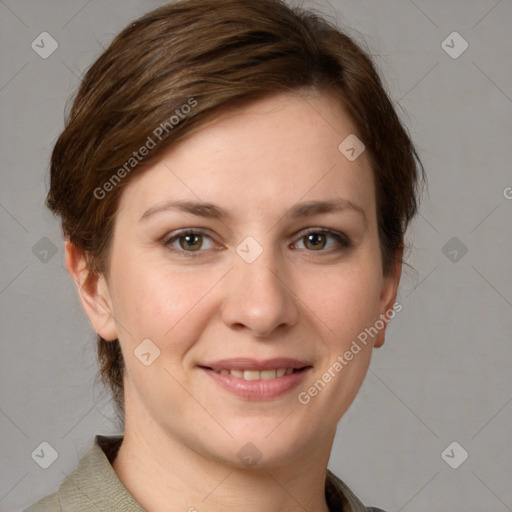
x=315, y=239
x=190, y=241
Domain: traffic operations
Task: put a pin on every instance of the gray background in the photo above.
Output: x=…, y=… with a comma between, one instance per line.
x=443, y=374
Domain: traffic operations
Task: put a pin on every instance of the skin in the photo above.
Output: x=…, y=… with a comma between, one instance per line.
x=300, y=298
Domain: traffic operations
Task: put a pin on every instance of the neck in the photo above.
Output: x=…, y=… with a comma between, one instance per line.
x=163, y=473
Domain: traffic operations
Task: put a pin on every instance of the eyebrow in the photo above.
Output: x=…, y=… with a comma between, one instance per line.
x=212, y=211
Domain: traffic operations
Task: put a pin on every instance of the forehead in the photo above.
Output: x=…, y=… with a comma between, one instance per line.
x=268, y=154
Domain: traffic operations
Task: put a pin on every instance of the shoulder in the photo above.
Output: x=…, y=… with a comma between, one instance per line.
x=340, y=497
x=50, y=503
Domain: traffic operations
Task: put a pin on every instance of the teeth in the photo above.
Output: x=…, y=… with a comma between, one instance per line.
x=257, y=375
x=268, y=374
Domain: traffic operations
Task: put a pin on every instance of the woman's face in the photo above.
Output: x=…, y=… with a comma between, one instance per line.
x=249, y=278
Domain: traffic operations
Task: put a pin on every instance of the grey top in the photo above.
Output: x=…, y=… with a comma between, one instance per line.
x=94, y=486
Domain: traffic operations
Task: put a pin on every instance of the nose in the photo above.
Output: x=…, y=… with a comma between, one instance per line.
x=259, y=297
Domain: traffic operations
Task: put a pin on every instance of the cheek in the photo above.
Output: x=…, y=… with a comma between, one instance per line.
x=346, y=299
x=344, y=305
x=151, y=298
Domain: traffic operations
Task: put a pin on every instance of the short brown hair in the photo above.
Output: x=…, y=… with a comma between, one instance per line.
x=218, y=54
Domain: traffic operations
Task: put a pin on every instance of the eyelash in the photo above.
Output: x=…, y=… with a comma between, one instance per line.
x=342, y=240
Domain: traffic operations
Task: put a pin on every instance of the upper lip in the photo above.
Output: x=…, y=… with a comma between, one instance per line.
x=242, y=363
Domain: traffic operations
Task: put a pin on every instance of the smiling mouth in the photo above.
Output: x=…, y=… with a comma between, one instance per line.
x=257, y=374
x=251, y=379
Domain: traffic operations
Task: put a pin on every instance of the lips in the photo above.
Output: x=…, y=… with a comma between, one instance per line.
x=255, y=379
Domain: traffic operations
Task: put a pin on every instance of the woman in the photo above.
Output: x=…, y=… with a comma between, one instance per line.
x=234, y=187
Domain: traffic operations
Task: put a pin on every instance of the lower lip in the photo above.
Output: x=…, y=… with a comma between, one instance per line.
x=258, y=389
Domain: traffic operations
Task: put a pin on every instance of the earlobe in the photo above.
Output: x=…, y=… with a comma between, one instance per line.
x=93, y=292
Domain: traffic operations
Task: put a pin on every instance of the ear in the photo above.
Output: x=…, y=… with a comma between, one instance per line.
x=93, y=292
x=388, y=295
